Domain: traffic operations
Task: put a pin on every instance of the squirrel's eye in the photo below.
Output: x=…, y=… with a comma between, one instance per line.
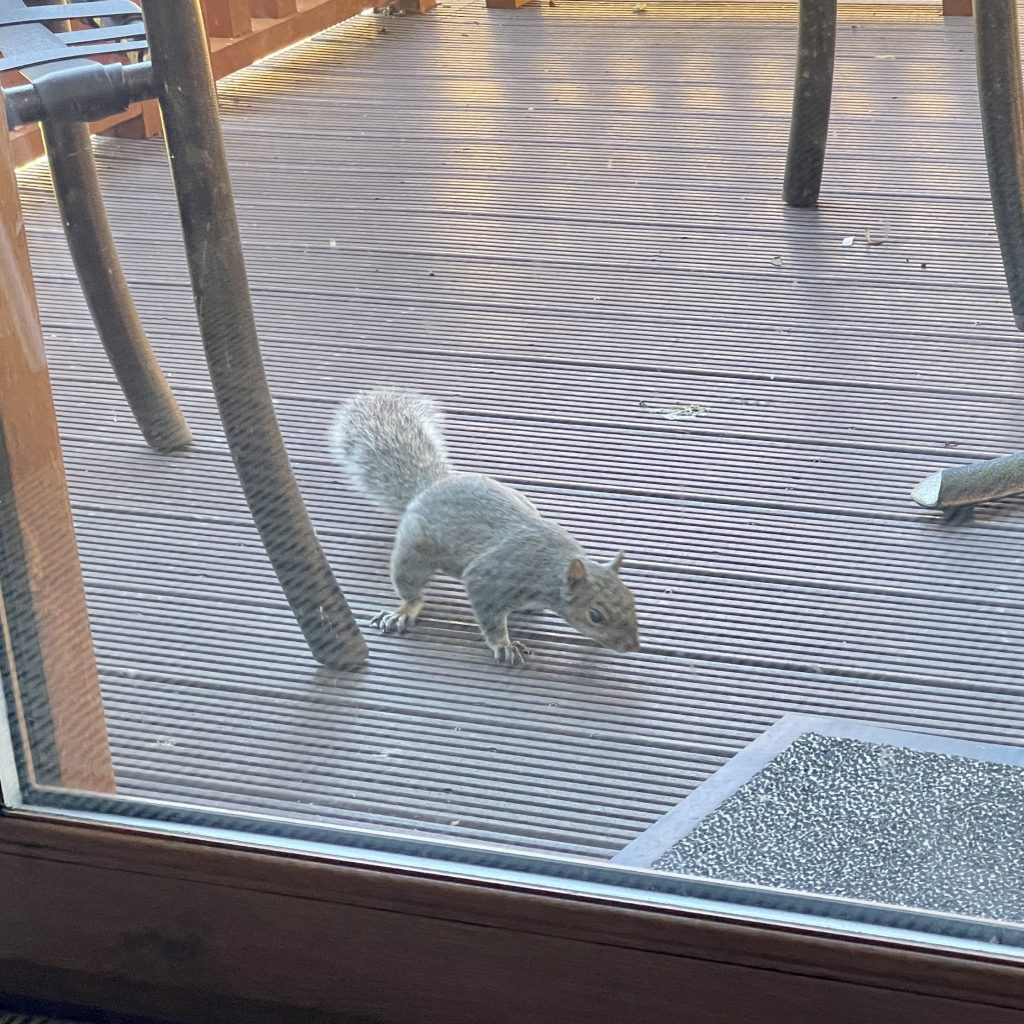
x=596, y=617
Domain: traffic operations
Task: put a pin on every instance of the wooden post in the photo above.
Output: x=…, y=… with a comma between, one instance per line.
x=957, y=8
x=226, y=19
x=55, y=683
x=144, y=125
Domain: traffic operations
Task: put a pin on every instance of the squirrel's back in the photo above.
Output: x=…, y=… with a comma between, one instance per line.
x=391, y=444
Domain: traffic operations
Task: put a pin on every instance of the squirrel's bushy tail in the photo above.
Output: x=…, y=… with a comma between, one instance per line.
x=391, y=444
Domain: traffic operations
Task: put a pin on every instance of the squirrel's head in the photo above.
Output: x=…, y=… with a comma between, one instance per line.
x=599, y=605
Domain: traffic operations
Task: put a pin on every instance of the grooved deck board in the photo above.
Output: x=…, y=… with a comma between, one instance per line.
x=562, y=223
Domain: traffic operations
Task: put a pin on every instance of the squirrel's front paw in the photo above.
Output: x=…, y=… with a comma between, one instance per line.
x=393, y=622
x=512, y=653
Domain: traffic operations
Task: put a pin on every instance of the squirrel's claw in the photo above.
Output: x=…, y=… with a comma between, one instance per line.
x=513, y=654
x=392, y=622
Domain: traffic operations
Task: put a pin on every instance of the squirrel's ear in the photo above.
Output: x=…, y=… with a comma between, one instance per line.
x=616, y=563
x=577, y=572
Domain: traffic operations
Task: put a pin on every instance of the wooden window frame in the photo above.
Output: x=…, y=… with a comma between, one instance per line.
x=199, y=930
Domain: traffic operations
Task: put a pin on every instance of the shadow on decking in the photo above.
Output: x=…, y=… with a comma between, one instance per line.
x=560, y=228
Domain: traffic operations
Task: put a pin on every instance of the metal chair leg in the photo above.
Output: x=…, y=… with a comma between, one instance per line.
x=812, y=100
x=188, y=103
x=972, y=484
x=69, y=150
x=997, y=51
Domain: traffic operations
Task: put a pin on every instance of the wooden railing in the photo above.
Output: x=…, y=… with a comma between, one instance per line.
x=243, y=31
x=240, y=32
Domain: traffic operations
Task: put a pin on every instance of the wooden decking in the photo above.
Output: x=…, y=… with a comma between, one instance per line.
x=563, y=223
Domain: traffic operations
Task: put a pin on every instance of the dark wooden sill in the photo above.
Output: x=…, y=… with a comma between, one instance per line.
x=192, y=931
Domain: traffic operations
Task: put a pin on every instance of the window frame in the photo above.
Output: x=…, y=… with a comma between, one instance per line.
x=196, y=929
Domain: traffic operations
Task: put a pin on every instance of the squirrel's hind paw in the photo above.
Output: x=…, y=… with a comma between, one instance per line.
x=513, y=654
x=393, y=622
x=401, y=620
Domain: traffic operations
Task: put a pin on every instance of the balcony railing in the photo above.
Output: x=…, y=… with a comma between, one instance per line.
x=241, y=32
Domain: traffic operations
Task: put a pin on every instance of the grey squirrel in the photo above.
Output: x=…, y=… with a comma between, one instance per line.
x=470, y=526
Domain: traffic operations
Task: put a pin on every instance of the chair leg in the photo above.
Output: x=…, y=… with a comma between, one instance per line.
x=188, y=103
x=812, y=99
x=69, y=150
x=1002, y=120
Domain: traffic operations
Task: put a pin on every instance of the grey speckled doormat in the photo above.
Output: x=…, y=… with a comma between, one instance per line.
x=837, y=808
